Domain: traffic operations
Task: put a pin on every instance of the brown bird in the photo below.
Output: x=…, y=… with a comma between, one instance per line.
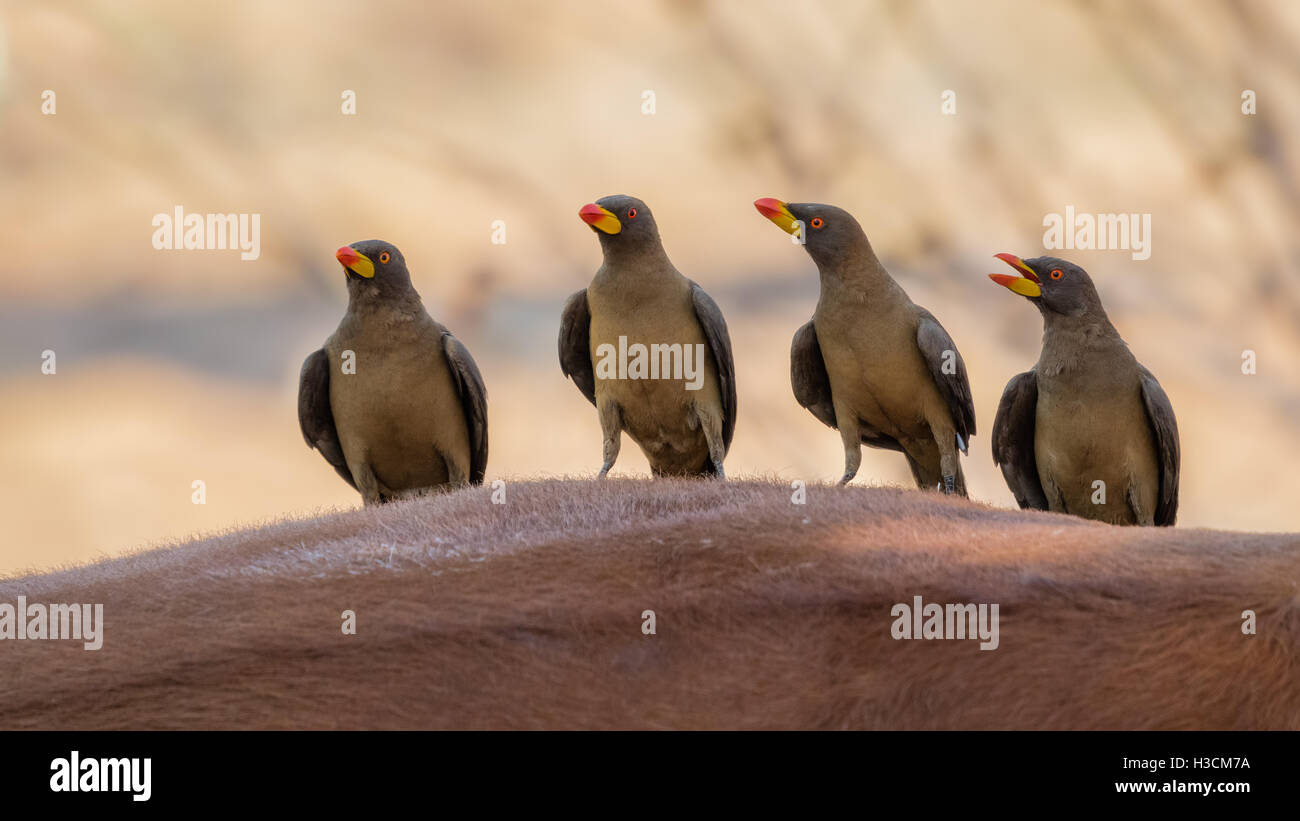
x=871, y=363
x=1087, y=430
x=393, y=401
x=649, y=348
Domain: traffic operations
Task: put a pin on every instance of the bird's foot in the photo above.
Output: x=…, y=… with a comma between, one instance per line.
x=949, y=484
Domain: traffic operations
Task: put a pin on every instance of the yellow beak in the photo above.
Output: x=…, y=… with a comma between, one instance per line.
x=1025, y=285
x=355, y=261
x=779, y=213
x=600, y=218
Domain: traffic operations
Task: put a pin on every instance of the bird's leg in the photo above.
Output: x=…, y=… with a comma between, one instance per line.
x=611, y=427
x=847, y=422
x=366, y=483
x=949, y=465
x=711, y=425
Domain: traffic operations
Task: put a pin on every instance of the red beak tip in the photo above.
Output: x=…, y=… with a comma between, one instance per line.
x=1016, y=262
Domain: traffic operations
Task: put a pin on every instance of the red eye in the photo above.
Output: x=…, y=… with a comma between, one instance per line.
x=383, y=256
x=817, y=222
x=1056, y=273
x=631, y=213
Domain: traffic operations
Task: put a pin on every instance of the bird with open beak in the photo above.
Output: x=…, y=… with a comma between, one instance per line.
x=871, y=363
x=638, y=298
x=1087, y=430
x=393, y=401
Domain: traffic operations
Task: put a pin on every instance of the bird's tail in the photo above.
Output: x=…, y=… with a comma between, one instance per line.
x=932, y=479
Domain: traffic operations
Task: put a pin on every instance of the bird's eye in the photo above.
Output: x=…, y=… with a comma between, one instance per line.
x=631, y=213
x=1056, y=273
x=383, y=256
x=817, y=222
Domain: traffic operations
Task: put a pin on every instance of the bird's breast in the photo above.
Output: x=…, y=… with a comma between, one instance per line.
x=1091, y=430
x=873, y=363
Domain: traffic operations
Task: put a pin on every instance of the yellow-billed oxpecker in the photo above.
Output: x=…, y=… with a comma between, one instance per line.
x=871, y=363
x=393, y=401
x=1087, y=430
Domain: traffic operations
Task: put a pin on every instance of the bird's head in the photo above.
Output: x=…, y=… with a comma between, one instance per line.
x=1054, y=285
x=831, y=235
x=374, y=266
x=621, y=222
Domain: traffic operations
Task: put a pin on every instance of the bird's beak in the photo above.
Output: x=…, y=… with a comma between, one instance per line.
x=600, y=218
x=1026, y=285
x=779, y=213
x=358, y=264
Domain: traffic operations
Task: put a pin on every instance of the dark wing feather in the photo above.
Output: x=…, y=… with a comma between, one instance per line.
x=1013, y=440
x=473, y=400
x=575, y=344
x=934, y=343
x=715, y=330
x=1161, y=414
x=808, y=376
x=315, y=416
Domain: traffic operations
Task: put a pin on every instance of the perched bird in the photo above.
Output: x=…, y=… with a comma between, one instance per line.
x=393, y=401
x=649, y=348
x=872, y=363
x=1087, y=430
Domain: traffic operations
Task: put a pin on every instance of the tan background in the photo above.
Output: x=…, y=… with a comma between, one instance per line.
x=176, y=366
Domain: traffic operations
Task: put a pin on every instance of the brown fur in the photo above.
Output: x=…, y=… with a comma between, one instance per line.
x=769, y=614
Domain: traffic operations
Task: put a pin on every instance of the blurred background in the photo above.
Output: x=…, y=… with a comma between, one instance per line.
x=176, y=366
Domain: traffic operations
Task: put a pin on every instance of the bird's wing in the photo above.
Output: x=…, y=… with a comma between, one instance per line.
x=808, y=376
x=315, y=416
x=1013, y=440
x=949, y=372
x=473, y=400
x=575, y=344
x=812, y=387
x=1161, y=415
x=715, y=330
